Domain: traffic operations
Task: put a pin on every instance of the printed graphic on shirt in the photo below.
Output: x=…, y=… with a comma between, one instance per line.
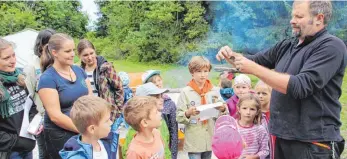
x=158, y=155
x=192, y=103
x=18, y=97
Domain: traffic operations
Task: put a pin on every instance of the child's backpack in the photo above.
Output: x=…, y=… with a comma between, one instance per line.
x=226, y=142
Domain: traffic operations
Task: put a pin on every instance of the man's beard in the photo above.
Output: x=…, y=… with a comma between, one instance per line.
x=296, y=34
x=299, y=33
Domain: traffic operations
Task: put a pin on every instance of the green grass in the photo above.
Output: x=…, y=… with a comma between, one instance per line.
x=128, y=66
x=343, y=101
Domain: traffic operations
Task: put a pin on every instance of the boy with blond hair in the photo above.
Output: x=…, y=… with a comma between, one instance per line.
x=91, y=116
x=200, y=91
x=142, y=114
x=150, y=89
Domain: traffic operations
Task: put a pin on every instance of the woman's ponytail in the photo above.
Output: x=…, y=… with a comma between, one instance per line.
x=55, y=43
x=46, y=59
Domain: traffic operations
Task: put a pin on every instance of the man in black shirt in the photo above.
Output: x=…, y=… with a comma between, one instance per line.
x=306, y=74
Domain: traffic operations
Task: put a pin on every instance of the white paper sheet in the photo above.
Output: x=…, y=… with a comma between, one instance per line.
x=208, y=111
x=25, y=123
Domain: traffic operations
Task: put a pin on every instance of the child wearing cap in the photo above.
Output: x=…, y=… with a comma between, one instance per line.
x=241, y=87
x=128, y=93
x=149, y=89
x=169, y=110
x=142, y=113
x=199, y=91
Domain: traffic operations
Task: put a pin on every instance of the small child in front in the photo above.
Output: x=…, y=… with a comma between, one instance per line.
x=254, y=134
x=91, y=115
x=142, y=114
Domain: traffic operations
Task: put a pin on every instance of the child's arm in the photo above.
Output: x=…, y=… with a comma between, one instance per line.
x=223, y=109
x=263, y=143
x=182, y=107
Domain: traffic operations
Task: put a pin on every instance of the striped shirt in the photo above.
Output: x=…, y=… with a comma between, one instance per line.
x=257, y=140
x=90, y=76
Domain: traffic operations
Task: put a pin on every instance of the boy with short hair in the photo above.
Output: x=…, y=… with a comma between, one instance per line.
x=91, y=116
x=169, y=110
x=142, y=114
x=200, y=91
x=150, y=89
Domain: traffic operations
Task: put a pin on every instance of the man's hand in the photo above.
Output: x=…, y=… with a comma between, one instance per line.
x=227, y=54
x=244, y=65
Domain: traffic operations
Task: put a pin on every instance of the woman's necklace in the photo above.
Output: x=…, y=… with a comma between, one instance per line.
x=68, y=74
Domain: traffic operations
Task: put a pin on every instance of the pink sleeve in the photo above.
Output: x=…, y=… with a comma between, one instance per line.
x=263, y=142
x=231, y=107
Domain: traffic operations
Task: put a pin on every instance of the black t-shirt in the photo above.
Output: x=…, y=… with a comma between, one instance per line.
x=10, y=126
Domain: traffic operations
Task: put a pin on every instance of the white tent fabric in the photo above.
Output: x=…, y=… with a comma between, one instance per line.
x=24, y=42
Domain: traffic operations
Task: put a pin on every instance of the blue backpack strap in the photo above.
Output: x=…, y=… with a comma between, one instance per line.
x=115, y=132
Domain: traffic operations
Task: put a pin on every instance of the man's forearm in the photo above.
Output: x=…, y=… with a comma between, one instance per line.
x=276, y=80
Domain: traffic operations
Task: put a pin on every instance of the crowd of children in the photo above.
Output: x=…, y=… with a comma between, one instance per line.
x=154, y=117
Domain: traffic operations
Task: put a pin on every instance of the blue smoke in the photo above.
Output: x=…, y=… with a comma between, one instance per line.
x=252, y=26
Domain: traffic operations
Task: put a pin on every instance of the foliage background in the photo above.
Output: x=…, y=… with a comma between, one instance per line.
x=164, y=34
x=165, y=31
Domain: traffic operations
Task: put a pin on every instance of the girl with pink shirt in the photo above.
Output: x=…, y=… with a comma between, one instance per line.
x=241, y=86
x=254, y=135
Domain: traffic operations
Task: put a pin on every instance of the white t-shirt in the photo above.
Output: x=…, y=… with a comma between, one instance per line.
x=101, y=154
x=90, y=76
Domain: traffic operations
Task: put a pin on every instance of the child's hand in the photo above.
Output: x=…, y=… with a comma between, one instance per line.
x=191, y=112
x=221, y=108
x=40, y=130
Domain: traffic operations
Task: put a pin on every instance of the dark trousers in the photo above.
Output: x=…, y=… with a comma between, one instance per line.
x=55, y=140
x=200, y=155
x=41, y=144
x=292, y=149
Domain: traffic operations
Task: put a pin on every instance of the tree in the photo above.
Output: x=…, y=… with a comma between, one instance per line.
x=152, y=31
x=63, y=16
x=15, y=16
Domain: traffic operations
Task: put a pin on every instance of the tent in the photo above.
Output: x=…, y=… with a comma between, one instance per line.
x=24, y=42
